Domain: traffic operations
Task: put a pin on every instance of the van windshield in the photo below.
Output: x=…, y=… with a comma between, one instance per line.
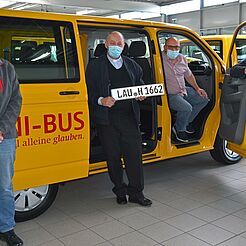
x=191, y=51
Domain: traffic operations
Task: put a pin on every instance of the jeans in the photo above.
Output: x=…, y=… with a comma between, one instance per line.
x=7, y=203
x=187, y=107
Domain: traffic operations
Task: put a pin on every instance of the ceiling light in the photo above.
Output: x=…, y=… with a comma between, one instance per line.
x=22, y=6
x=85, y=12
x=139, y=15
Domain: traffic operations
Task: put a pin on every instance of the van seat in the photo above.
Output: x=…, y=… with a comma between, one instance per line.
x=100, y=50
x=137, y=51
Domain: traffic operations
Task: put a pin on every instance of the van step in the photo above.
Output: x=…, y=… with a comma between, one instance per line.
x=180, y=145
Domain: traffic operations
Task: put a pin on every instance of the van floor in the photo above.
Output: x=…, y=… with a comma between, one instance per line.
x=196, y=201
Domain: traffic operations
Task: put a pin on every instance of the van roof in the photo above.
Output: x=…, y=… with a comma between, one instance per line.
x=221, y=37
x=85, y=18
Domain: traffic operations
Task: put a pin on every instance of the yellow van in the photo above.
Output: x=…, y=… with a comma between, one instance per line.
x=220, y=44
x=56, y=142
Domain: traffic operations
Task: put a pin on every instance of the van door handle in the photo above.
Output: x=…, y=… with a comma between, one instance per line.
x=64, y=93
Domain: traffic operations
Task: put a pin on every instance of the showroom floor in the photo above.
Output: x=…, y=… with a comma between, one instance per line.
x=196, y=202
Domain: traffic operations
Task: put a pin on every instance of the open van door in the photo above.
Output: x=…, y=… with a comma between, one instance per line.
x=233, y=100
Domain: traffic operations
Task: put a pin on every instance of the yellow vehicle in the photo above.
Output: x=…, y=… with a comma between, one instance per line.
x=220, y=44
x=56, y=141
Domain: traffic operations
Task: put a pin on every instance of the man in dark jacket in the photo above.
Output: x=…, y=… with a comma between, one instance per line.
x=117, y=122
x=10, y=104
x=239, y=70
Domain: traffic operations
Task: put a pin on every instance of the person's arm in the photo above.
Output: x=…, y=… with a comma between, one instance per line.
x=1, y=137
x=93, y=94
x=192, y=81
x=190, y=78
x=9, y=118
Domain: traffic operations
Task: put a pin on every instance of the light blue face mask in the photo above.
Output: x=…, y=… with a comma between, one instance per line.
x=172, y=54
x=114, y=51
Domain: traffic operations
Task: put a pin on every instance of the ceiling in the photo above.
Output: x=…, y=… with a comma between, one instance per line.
x=91, y=7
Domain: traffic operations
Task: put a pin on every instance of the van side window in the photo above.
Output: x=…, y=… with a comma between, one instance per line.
x=216, y=45
x=241, y=49
x=41, y=51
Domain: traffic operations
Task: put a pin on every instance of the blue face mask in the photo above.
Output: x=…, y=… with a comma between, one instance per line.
x=172, y=54
x=114, y=51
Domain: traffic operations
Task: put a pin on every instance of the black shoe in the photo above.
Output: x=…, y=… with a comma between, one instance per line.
x=180, y=135
x=190, y=129
x=11, y=238
x=143, y=201
x=121, y=200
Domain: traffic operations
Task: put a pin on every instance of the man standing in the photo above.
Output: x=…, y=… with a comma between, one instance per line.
x=10, y=104
x=118, y=122
x=187, y=101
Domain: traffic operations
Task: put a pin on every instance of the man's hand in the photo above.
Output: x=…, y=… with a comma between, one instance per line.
x=141, y=98
x=108, y=102
x=202, y=92
x=1, y=137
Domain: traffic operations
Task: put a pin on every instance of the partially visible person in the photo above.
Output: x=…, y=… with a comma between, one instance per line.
x=239, y=70
x=117, y=122
x=10, y=105
x=186, y=101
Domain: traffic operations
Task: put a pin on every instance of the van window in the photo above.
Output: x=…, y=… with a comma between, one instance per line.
x=191, y=51
x=216, y=45
x=41, y=51
x=241, y=49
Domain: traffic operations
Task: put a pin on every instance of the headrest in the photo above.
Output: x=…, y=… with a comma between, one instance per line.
x=137, y=49
x=100, y=50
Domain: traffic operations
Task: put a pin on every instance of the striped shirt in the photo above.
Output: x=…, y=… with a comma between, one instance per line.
x=175, y=74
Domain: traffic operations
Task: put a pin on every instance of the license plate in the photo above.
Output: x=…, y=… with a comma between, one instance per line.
x=137, y=91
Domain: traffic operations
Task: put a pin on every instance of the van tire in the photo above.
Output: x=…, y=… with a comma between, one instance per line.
x=34, y=207
x=223, y=155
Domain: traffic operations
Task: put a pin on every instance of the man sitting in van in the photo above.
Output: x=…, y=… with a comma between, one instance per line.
x=239, y=70
x=185, y=100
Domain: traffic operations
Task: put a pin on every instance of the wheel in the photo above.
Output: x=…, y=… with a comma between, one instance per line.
x=32, y=202
x=222, y=154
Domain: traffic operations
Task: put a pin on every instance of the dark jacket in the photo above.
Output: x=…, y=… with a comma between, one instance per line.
x=98, y=85
x=10, y=99
x=237, y=71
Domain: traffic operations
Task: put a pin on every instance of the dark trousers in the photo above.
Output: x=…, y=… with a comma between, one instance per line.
x=122, y=138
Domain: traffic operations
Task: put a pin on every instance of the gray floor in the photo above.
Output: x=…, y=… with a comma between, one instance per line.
x=196, y=202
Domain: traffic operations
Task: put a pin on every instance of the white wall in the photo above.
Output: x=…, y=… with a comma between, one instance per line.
x=189, y=19
x=216, y=18
x=243, y=11
x=222, y=16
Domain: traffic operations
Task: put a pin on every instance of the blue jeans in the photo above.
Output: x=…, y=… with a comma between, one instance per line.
x=7, y=203
x=187, y=107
